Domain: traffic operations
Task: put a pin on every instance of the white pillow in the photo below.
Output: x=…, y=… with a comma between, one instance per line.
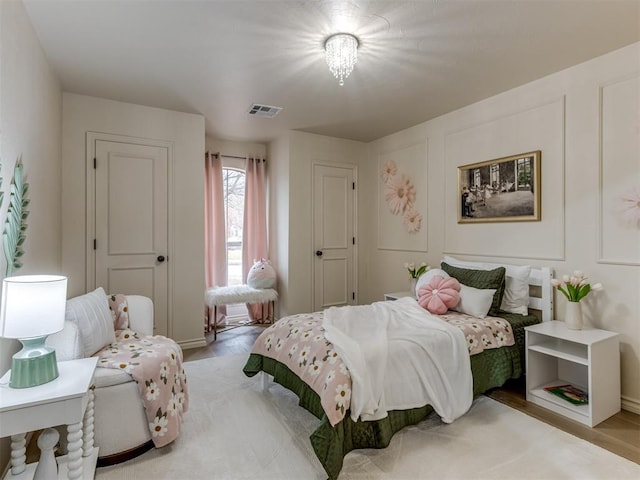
x=475, y=301
x=67, y=343
x=91, y=314
x=516, y=290
x=463, y=264
x=428, y=275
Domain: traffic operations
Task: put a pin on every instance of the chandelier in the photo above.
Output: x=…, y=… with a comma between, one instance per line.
x=342, y=54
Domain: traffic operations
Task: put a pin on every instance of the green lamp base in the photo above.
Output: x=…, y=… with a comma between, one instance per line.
x=34, y=365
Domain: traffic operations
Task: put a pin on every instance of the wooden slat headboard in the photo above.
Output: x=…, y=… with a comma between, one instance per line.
x=540, y=291
x=542, y=297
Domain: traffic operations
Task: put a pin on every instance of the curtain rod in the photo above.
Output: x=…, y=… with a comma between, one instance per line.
x=235, y=156
x=243, y=158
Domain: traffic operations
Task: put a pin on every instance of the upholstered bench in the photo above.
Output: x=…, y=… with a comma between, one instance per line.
x=218, y=296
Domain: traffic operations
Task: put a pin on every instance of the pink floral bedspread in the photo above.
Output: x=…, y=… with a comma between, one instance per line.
x=481, y=333
x=155, y=363
x=298, y=342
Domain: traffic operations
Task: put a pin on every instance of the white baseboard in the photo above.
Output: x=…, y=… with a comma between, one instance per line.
x=193, y=343
x=631, y=405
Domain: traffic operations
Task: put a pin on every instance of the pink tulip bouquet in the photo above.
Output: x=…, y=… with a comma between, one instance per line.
x=575, y=287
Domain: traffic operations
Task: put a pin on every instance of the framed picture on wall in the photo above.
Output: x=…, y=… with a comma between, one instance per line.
x=501, y=190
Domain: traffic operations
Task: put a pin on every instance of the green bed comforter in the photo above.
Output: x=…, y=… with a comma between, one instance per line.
x=491, y=368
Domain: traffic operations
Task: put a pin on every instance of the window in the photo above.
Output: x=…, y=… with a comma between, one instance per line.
x=494, y=176
x=233, y=189
x=477, y=178
x=524, y=173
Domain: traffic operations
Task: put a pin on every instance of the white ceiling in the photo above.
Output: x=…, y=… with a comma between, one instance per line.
x=417, y=60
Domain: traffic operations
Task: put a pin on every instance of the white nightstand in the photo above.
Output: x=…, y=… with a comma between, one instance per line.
x=588, y=359
x=396, y=295
x=67, y=400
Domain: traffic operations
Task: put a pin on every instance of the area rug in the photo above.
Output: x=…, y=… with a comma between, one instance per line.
x=235, y=430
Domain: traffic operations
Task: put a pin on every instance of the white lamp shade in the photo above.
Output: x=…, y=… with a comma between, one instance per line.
x=32, y=305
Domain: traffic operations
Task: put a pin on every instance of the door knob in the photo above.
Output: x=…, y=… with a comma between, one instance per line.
x=318, y=253
x=160, y=258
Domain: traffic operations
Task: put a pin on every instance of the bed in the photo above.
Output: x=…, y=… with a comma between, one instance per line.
x=338, y=433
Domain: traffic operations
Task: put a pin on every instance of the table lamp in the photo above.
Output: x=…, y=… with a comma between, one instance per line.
x=33, y=307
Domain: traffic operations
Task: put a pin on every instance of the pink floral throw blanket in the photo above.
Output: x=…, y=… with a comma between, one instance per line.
x=155, y=363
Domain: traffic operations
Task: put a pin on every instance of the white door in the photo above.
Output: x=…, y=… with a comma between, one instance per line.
x=334, y=236
x=131, y=222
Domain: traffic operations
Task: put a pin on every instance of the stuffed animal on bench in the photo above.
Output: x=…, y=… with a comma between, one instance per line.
x=261, y=275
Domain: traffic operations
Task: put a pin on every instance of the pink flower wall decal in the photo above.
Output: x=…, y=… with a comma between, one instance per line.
x=389, y=170
x=410, y=191
x=412, y=221
x=630, y=207
x=398, y=194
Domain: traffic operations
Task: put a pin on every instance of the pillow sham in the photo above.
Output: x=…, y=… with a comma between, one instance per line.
x=482, y=279
x=427, y=276
x=516, y=290
x=91, y=314
x=439, y=294
x=475, y=301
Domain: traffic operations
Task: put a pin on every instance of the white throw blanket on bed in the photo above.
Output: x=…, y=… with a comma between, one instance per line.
x=400, y=357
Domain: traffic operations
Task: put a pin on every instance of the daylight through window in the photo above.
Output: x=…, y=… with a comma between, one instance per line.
x=233, y=183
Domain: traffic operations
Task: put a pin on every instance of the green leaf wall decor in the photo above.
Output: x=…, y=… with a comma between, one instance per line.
x=15, y=226
x=1, y=192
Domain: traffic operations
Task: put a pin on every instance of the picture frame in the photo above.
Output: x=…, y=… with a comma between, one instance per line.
x=504, y=189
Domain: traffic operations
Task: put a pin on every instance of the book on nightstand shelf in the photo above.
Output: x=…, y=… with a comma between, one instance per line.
x=569, y=393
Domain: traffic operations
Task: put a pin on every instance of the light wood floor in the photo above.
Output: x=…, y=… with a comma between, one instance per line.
x=619, y=434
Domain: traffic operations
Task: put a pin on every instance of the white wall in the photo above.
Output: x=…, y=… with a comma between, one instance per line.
x=30, y=128
x=585, y=122
x=82, y=114
x=294, y=157
x=278, y=164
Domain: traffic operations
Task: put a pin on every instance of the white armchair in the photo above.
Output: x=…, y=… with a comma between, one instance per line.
x=121, y=430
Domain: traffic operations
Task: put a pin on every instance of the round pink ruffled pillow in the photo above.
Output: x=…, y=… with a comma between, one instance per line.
x=439, y=294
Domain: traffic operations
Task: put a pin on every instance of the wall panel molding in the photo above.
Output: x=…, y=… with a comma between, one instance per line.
x=618, y=166
x=411, y=160
x=541, y=126
x=507, y=115
x=508, y=257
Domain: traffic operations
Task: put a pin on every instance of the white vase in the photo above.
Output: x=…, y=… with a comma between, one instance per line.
x=573, y=315
x=412, y=286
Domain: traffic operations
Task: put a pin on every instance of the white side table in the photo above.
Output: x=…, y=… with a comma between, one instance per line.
x=396, y=295
x=67, y=400
x=587, y=359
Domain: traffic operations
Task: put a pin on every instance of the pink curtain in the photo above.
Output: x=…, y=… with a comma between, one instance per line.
x=215, y=236
x=254, y=231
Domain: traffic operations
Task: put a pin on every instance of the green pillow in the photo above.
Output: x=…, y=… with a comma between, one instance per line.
x=480, y=279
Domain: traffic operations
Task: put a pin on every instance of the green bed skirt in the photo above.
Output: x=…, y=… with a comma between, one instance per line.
x=491, y=368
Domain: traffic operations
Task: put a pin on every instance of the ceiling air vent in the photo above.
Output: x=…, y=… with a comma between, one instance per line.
x=264, y=110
